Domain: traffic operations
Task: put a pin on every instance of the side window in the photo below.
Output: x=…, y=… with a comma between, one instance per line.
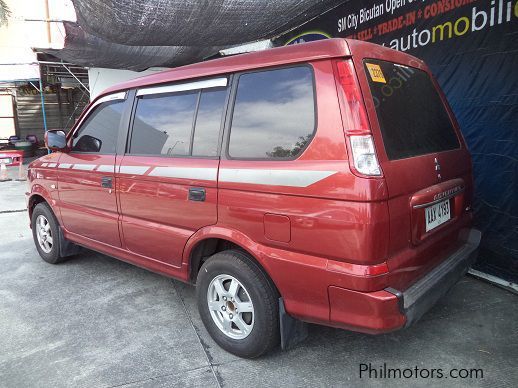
x=274, y=114
x=99, y=131
x=208, y=122
x=180, y=124
x=163, y=124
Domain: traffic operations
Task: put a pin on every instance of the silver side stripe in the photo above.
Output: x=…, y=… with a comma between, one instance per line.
x=288, y=178
x=133, y=170
x=84, y=167
x=105, y=168
x=202, y=173
x=291, y=178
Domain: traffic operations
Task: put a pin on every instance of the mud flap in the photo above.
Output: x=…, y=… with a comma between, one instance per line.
x=293, y=331
x=67, y=248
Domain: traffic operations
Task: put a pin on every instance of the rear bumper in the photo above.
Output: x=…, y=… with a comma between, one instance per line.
x=391, y=309
x=422, y=295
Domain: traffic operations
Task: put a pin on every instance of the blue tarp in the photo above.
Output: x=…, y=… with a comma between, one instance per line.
x=472, y=49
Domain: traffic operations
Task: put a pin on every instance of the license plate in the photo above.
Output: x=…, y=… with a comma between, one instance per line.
x=6, y=160
x=437, y=214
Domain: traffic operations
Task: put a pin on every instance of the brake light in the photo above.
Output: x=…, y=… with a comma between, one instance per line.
x=356, y=124
x=355, y=115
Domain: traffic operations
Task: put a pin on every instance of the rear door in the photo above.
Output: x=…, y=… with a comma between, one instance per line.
x=167, y=179
x=423, y=157
x=86, y=174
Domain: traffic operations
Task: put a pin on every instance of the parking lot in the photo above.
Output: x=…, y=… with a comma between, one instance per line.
x=94, y=321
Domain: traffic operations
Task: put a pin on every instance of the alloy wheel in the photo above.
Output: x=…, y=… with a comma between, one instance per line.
x=44, y=234
x=230, y=306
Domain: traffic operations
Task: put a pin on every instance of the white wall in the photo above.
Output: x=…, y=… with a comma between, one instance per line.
x=7, y=127
x=101, y=79
x=26, y=29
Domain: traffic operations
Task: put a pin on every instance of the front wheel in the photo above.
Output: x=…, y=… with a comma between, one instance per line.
x=238, y=304
x=45, y=231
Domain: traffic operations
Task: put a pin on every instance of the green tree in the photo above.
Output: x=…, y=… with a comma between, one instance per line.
x=5, y=12
x=280, y=152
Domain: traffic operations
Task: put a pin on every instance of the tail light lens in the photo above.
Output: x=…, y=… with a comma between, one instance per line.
x=355, y=115
x=356, y=123
x=364, y=155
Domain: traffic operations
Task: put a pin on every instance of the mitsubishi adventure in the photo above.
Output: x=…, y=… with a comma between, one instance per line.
x=326, y=182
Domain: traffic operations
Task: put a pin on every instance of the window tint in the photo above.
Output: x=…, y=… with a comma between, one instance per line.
x=412, y=116
x=208, y=122
x=163, y=124
x=274, y=114
x=99, y=131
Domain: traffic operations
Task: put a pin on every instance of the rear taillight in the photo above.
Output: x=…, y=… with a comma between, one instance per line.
x=356, y=123
x=355, y=115
x=364, y=155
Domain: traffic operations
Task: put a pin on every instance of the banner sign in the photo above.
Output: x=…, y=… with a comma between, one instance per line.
x=472, y=48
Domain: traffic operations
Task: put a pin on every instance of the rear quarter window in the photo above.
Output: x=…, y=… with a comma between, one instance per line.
x=274, y=114
x=411, y=114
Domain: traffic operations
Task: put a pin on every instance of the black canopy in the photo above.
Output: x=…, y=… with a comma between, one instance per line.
x=138, y=34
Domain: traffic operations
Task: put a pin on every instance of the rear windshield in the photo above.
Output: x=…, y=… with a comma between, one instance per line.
x=411, y=114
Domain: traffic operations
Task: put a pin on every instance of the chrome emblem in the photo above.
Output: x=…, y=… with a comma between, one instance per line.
x=438, y=169
x=448, y=193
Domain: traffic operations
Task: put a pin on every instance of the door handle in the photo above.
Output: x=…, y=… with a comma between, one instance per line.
x=197, y=194
x=106, y=181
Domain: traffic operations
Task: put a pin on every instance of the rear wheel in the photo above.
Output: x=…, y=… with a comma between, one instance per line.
x=45, y=231
x=238, y=304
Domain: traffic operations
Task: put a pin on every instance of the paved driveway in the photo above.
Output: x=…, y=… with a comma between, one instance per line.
x=94, y=321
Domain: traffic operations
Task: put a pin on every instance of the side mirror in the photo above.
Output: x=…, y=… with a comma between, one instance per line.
x=87, y=143
x=56, y=140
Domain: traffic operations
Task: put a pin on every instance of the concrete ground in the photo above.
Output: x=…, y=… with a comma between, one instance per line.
x=94, y=321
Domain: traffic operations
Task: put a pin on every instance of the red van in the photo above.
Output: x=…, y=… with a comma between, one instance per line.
x=325, y=182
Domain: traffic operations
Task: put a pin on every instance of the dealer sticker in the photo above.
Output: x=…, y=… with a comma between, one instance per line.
x=376, y=73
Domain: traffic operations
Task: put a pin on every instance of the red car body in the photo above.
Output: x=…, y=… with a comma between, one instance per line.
x=346, y=250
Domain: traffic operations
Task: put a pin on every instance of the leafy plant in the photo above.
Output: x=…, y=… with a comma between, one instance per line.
x=5, y=12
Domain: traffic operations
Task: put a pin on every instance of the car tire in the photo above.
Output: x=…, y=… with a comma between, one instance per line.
x=251, y=332
x=45, y=231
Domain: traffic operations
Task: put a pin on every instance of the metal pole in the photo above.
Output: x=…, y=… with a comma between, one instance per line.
x=77, y=79
x=47, y=17
x=43, y=107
